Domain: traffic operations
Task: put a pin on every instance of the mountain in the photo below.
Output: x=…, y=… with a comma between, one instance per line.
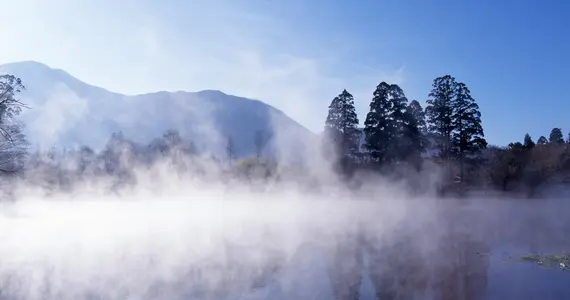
x=66, y=112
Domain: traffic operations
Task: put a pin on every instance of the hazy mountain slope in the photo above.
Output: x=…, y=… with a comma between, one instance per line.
x=67, y=112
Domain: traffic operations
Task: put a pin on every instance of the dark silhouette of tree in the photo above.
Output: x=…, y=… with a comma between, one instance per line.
x=454, y=119
x=556, y=136
x=467, y=136
x=541, y=140
x=388, y=126
x=528, y=142
x=439, y=113
x=417, y=112
x=341, y=125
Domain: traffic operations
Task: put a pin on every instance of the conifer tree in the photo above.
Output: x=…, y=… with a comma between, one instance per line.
x=341, y=125
x=417, y=115
x=389, y=128
x=528, y=142
x=542, y=140
x=454, y=118
x=467, y=136
x=377, y=126
x=439, y=113
x=556, y=136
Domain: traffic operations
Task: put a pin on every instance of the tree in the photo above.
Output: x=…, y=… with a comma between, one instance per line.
x=543, y=164
x=417, y=119
x=412, y=140
x=439, y=113
x=556, y=136
x=542, y=140
x=528, y=142
x=341, y=125
x=172, y=138
x=13, y=148
x=260, y=141
x=417, y=112
x=10, y=106
x=454, y=120
x=467, y=134
x=388, y=125
x=13, y=144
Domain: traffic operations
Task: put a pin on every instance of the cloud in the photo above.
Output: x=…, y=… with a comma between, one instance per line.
x=137, y=47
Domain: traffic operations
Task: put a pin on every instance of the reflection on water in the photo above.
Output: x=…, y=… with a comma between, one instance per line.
x=463, y=252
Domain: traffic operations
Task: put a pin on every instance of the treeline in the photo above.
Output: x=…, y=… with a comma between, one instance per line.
x=399, y=133
x=528, y=165
x=121, y=161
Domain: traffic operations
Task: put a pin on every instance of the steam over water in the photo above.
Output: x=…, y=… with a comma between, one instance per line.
x=214, y=245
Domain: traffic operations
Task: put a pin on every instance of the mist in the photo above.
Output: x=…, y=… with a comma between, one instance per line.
x=169, y=219
x=177, y=237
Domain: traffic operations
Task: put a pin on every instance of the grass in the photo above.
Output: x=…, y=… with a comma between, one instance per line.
x=561, y=260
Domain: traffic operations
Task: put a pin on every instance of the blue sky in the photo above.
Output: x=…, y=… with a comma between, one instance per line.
x=297, y=55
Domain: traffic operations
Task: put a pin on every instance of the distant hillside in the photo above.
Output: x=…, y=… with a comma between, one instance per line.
x=66, y=112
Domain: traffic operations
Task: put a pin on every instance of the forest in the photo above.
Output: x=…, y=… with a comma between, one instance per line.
x=399, y=137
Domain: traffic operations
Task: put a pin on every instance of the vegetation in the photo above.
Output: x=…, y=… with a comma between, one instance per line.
x=398, y=135
x=549, y=260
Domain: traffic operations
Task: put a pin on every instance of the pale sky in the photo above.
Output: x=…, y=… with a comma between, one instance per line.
x=246, y=48
x=297, y=55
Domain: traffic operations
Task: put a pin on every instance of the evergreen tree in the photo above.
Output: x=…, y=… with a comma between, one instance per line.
x=439, y=113
x=412, y=141
x=528, y=142
x=377, y=125
x=556, y=136
x=542, y=140
x=455, y=120
x=417, y=112
x=568, y=138
x=468, y=137
x=341, y=125
x=388, y=124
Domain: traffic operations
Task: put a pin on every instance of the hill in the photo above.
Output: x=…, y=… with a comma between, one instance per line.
x=67, y=112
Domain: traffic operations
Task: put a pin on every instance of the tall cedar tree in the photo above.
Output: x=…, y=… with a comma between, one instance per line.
x=378, y=127
x=341, y=125
x=454, y=117
x=556, y=136
x=468, y=136
x=439, y=113
x=391, y=131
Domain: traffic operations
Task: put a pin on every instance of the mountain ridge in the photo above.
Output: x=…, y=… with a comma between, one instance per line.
x=68, y=112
